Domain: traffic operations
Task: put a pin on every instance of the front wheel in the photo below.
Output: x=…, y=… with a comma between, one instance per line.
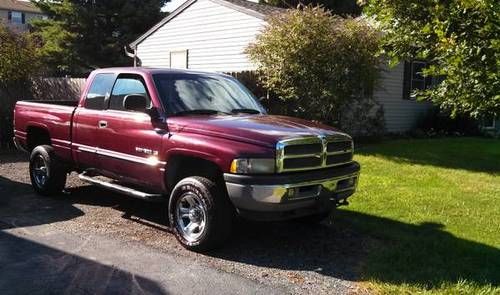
x=200, y=213
x=47, y=174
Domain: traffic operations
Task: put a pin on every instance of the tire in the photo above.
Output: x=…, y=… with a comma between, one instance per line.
x=48, y=175
x=200, y=213
x=314, y=219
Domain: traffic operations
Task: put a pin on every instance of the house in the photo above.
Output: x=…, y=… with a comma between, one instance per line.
x=212, y=35
x=490, y=125
x=17, y=14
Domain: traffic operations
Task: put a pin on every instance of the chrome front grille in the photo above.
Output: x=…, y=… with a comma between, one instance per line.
x=313, y=152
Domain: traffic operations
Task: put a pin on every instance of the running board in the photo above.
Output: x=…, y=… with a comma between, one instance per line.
x=121, y=189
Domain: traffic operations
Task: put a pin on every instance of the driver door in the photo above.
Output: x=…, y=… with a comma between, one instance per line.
x=129, y=146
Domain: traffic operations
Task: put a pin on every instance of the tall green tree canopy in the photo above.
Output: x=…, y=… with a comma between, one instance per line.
x=80, y=35
x=460, y=40
x=342, y=7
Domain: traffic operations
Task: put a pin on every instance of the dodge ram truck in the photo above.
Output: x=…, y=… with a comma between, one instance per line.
x=199, y=143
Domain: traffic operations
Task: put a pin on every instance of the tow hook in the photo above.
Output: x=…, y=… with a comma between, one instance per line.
x=341, y=202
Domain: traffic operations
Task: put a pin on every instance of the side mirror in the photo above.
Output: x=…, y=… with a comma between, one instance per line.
x=153, y=113
x=135, y=102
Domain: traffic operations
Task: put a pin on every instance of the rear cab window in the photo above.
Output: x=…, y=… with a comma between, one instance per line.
x=99, y=90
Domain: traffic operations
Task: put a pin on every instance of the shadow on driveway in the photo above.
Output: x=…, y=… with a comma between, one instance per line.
x=31, y=268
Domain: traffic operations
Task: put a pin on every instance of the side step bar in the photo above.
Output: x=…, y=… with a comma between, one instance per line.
x=121, y=189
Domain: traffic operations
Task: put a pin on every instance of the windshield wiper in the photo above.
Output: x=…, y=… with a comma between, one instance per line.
x=246, y=111
x=198, y=112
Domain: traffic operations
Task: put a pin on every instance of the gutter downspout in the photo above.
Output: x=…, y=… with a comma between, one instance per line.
x=131, y=55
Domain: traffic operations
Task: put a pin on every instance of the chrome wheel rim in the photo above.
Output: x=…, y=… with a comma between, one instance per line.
x=39, y=171
x=191, y=216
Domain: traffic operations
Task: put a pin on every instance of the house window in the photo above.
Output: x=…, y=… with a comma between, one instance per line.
x=179, y=59
x=414, y=79
x=489, y=122
x=417, y=77
x=16, y=17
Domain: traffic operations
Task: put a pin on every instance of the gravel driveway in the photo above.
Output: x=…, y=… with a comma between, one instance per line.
x=95, y=241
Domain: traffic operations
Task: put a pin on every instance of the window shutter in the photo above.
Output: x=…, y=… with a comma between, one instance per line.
x=428, y=82
x=24, y=18
x=9, y=17
x=407, y=80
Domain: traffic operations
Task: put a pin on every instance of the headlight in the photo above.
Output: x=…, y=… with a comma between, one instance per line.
x=253, y=166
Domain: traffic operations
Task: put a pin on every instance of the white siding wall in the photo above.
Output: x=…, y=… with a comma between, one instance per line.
x=400, y=114
x=215, y=36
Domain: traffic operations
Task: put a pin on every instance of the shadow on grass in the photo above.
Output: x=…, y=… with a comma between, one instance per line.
x=474, y=154
x=395, y=252
x=421, y=254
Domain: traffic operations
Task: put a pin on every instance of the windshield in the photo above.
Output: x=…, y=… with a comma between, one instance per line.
x=205, y=94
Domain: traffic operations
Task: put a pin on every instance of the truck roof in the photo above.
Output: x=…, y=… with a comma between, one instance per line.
x=150, y=70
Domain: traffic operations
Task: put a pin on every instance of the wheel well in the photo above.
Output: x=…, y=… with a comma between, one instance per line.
x=180, y=167
x=37, y=136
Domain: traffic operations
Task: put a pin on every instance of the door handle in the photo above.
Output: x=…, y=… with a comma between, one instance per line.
x=103, y=124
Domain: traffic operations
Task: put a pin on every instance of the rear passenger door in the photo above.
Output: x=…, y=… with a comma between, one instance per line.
x=128, y=143
x=86, y=118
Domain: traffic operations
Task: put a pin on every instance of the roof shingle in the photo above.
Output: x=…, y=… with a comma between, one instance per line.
x=263, y=9
x=17, y=5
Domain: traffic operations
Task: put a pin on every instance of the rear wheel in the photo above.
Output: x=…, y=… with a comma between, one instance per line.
x=47, y=174
x=200, y=213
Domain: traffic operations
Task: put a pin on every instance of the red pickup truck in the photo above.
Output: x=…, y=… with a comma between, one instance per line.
x=199, y=142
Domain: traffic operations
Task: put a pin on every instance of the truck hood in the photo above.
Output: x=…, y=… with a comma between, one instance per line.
x=265, y=130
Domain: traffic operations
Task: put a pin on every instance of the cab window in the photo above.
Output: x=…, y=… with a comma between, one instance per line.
x=99, y=90
x=125, y=85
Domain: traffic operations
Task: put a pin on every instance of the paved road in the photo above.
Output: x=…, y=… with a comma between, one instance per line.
x=95, y=242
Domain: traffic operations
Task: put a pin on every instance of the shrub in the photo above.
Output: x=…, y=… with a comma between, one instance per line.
x=316, y=62
x=437, y=122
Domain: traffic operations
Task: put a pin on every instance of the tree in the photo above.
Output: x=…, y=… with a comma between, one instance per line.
x=340, y=7
x=18, y=56
x=316, y=62
x=80, y=35
x=18, y=62
x=460, y=41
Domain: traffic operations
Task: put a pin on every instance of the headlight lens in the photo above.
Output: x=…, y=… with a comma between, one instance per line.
x=253, y=166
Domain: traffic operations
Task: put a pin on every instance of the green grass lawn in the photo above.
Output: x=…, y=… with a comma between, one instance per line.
x=430, y=209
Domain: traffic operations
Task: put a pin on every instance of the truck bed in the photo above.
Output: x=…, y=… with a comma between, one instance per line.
x=52, y=116
x=71, y=103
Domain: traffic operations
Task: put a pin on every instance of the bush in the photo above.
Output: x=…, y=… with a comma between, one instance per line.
x=315, y=62
x=438, y=122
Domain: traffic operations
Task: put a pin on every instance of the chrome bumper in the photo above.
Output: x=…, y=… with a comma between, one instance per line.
x=292, y=196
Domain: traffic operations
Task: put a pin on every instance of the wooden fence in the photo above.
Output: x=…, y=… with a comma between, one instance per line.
x=36, y=88
x=57, y=88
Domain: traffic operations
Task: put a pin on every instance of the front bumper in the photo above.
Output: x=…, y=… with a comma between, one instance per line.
x=291, y=195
